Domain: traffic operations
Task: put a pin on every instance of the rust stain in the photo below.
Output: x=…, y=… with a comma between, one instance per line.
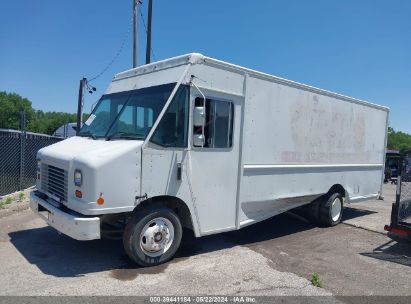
x=320, y=127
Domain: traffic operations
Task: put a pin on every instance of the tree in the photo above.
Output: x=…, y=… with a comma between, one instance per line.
x=48, y=122
x=398, y=140
x=11, y=104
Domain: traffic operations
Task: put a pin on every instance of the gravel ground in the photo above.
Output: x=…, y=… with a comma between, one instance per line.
x=275, y=257
x=19, y=202
x=374, y=214
x=36, y=260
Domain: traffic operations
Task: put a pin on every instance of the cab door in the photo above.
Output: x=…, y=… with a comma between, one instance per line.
x=214, y=160
x=164, y=159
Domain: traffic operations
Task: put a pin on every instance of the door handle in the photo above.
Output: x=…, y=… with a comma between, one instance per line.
x=179, y=170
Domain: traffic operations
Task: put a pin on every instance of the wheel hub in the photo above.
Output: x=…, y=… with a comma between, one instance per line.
x=157, y=236
x=336, y=208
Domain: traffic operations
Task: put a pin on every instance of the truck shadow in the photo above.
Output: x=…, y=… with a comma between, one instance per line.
x=350, y=213
x=392, y=251
x=58, y=255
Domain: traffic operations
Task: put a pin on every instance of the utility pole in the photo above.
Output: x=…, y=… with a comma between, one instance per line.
x=135, y=34
x=148, y=46
x=80, y=104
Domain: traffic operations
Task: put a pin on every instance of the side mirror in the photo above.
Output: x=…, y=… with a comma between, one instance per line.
x=198, y=140
x=198, y=117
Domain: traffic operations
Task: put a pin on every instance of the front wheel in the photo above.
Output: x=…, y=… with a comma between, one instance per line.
x=331, y=210
x=152, y=236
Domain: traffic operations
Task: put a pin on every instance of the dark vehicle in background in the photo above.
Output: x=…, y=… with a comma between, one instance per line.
x=392, y=164
x=400, y=226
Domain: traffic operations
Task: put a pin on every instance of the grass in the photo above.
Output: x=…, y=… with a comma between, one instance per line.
x=9, y=199
x=21, y=196
x=316, y=281
x=6, y=201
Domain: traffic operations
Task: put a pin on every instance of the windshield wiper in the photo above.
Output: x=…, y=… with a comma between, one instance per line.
x=88, y=133
x=126, y=135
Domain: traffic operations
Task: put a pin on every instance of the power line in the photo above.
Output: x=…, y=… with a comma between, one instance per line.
x=123, y=43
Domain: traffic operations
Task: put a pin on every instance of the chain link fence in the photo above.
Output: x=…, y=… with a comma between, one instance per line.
x=18, y=162
x=403, y=199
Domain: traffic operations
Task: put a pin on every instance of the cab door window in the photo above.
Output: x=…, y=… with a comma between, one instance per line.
x=218, y=126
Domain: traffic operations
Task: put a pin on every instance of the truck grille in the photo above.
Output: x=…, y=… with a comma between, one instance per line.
x=54, y=181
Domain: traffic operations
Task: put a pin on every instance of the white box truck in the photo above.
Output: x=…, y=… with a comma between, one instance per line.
x=196, y=142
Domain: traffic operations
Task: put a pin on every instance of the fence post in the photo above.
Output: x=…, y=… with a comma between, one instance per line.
x=22, y=146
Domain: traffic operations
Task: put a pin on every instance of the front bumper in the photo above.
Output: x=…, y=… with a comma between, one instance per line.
x=73, y=225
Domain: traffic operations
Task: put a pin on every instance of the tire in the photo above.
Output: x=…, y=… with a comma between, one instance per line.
x=331, y=210
x=311, y=211
x=152, y=236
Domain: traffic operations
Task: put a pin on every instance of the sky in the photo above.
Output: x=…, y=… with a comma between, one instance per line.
x=359, y=48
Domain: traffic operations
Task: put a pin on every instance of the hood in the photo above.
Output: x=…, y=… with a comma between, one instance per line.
x=85, y=149
x=110, y=169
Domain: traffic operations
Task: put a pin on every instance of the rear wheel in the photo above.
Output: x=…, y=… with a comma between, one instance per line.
x=331, y=210
x=152, y=236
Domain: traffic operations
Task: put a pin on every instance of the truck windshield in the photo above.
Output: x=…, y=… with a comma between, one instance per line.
x=129, y=114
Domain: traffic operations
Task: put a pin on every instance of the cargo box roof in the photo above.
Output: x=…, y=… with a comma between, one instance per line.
x=197, y=58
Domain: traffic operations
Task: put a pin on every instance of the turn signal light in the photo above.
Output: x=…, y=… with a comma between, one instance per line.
x=100, y=200
x=79, y=194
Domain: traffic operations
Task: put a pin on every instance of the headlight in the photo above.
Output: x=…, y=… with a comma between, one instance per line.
x=78, y=178
x=38, y=165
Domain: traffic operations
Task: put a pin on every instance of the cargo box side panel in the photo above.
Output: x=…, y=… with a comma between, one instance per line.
x=298, y=143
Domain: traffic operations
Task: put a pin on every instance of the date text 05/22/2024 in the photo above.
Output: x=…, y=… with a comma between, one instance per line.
x=202, y=299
